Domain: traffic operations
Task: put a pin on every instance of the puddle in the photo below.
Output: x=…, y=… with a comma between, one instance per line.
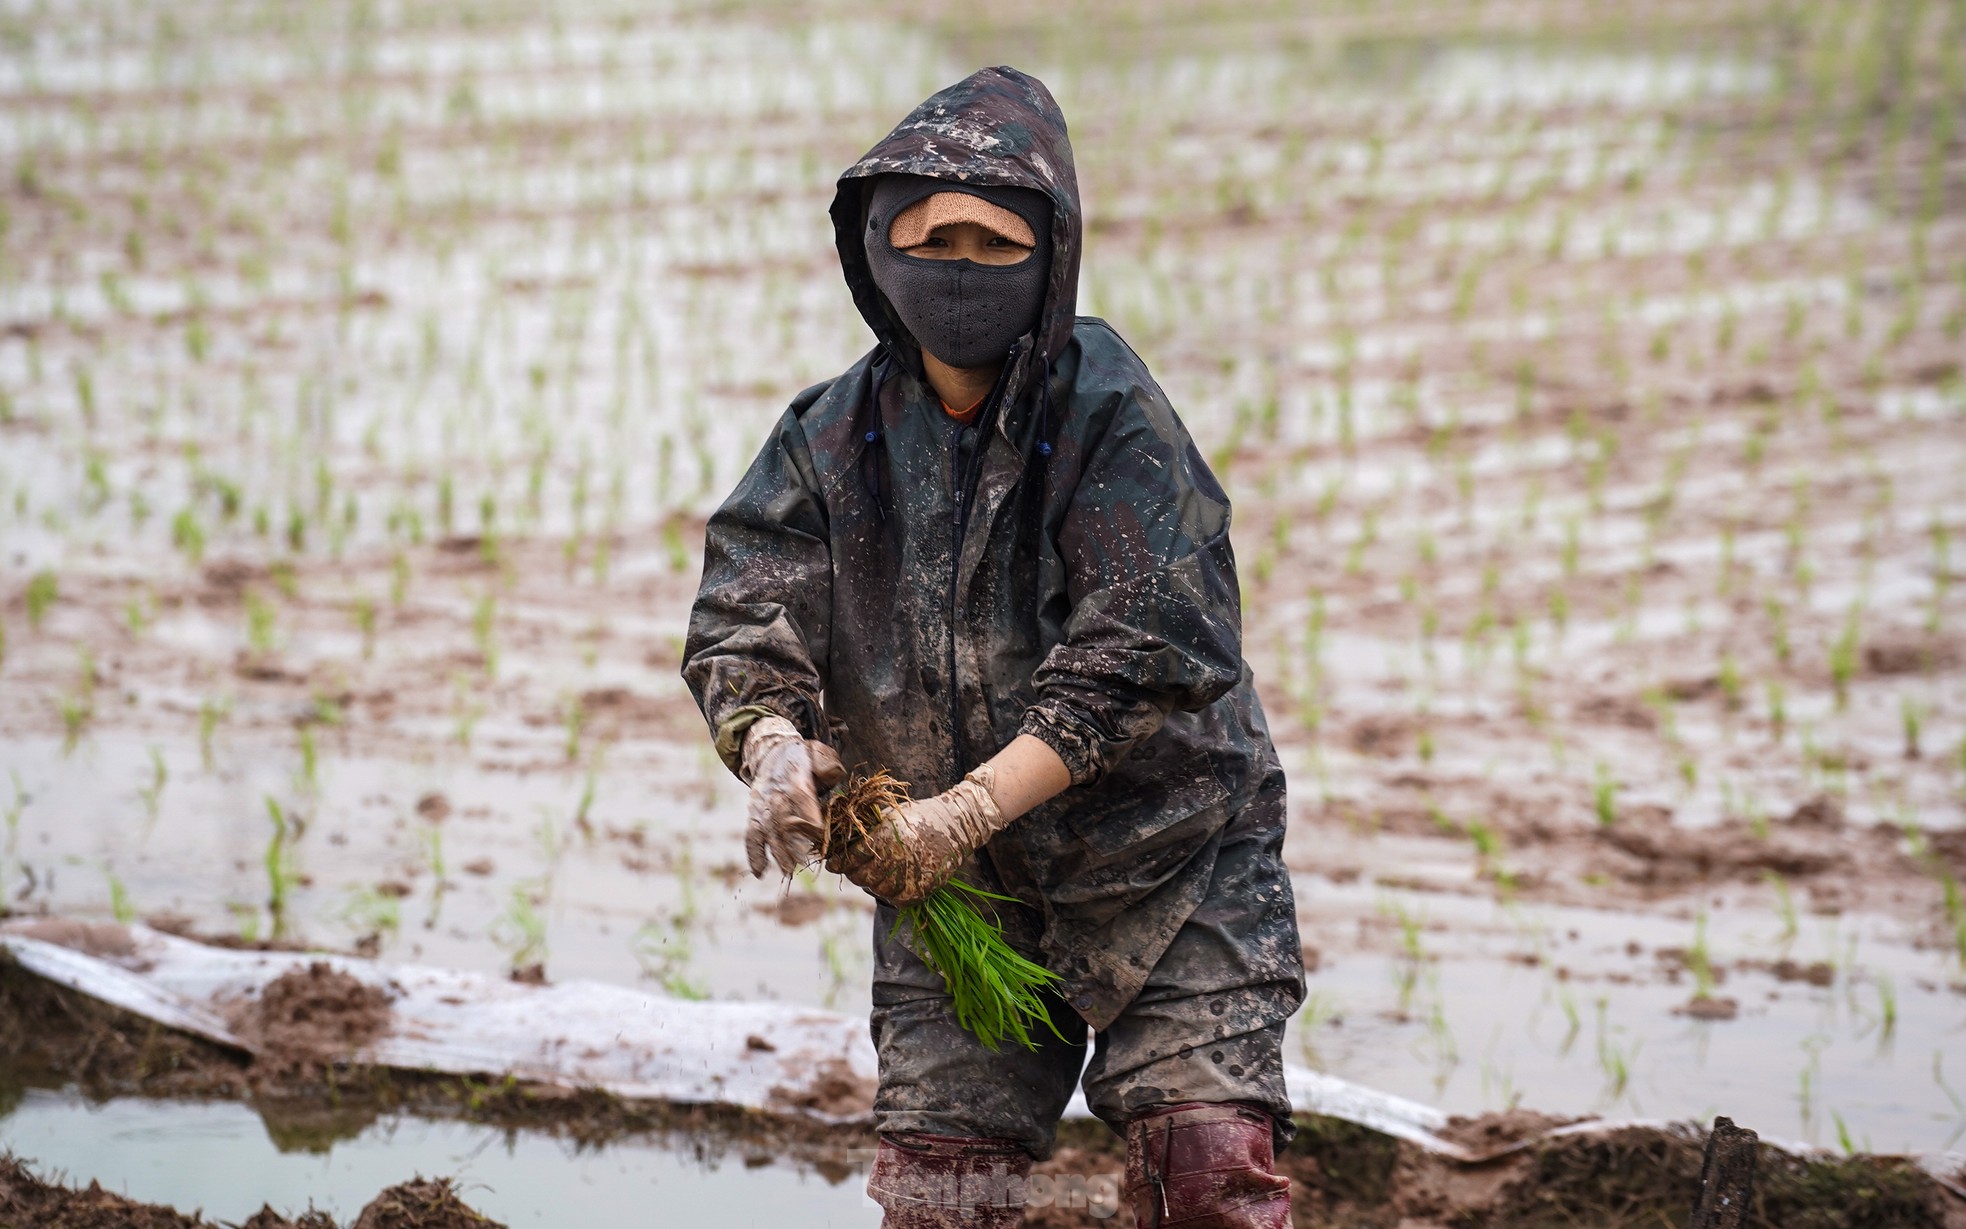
x=219, y=1157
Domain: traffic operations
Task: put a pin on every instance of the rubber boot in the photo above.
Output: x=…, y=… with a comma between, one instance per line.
x=1202, y=1166
x=949, y=1182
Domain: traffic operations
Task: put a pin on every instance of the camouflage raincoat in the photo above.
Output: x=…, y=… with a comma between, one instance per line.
x=919, y=593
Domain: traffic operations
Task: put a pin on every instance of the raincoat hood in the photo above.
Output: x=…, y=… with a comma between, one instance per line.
x=996, y=127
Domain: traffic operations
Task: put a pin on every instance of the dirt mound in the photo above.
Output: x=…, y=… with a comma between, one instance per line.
x=1346, y=1176
x=308, y=1019
x=835, y=1089
x=267, y=1218
x=426, y=1203
x=1650, y=1177
x=26, y=1200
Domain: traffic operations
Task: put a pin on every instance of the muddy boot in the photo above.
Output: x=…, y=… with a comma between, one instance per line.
x=949, y=1182
x=1201, y=1166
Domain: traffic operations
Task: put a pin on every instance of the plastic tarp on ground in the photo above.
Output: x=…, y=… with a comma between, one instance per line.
x=633, y=1043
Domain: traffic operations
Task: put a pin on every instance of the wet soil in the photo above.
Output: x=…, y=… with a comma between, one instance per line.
x=1345, y=1176
x=309, y=1019
x=29, y=1200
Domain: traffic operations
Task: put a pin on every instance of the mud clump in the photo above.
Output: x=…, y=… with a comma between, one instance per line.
x=797, y=908
x=309, y=1019
x=1647, y=851
x=426, y=1203
x=835, y=1089
x=1491, y=1133
x=26, y=1200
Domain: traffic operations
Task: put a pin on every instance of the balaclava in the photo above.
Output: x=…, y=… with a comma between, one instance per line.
x=966, y=314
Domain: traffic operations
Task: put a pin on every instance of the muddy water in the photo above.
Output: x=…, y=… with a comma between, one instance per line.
x=221, y=1158
x=1589, y=396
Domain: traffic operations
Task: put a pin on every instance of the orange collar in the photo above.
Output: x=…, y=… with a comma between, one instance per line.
x=966, y=417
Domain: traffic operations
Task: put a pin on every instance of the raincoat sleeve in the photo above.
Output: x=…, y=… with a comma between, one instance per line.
x=1156, y=615
x=759, y=630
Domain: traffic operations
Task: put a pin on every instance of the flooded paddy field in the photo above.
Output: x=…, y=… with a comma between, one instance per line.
x=1588, y=385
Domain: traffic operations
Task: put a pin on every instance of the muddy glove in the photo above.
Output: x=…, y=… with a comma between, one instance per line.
x=786, y=772
x=919, y=844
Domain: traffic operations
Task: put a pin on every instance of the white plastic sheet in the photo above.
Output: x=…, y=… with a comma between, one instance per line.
x=631, y=1042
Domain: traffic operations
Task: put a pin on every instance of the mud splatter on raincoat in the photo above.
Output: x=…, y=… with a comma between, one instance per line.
x=919, y=592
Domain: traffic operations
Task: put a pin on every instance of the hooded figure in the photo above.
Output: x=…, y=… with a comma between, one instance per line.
x=1027, y=609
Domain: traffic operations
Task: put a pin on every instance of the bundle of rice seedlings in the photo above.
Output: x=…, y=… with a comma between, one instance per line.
x=995, y=988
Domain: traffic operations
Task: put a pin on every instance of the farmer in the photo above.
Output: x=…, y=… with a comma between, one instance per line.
x=989, y=559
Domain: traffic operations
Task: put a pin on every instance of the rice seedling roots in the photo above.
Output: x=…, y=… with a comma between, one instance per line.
x=997, y=991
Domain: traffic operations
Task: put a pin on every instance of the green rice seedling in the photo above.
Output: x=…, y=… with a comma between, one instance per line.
x=120, y=905
x=465, y=715
x=1778, y=713
x=42, y=590
x=1613, y=1059
x=1843, y=1138
x=1843, y=660
x=1784, y=906
x=1730, y=681
x=433, y=852
x=152, y=792
x=520, y=929
x=1955, y=911
x=1604, y=796
x=364, y=612
x=309, y=778
x=589, y=786
x=1778, y=629
x=1911, y=716
x=210, y=712
x=1887, y=1006
x=373, y=911
x=484, y=616
x=1699, y=959
x=278, y=862
x=137, y=613
x=995, y=990
x=261, y=629
x=664, y=953
x=188, y=535
x=603, y=556
x=573, y=719
x=78, y=707
x=14, y=810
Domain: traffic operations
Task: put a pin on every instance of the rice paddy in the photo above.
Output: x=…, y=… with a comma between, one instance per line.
x=1588, y=384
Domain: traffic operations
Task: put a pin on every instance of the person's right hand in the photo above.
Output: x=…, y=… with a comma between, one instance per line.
x=787, y=772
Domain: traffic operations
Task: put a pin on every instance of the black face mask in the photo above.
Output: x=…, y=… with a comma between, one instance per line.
x=966, y=314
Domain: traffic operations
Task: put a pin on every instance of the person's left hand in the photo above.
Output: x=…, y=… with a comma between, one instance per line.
x=918, y=845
